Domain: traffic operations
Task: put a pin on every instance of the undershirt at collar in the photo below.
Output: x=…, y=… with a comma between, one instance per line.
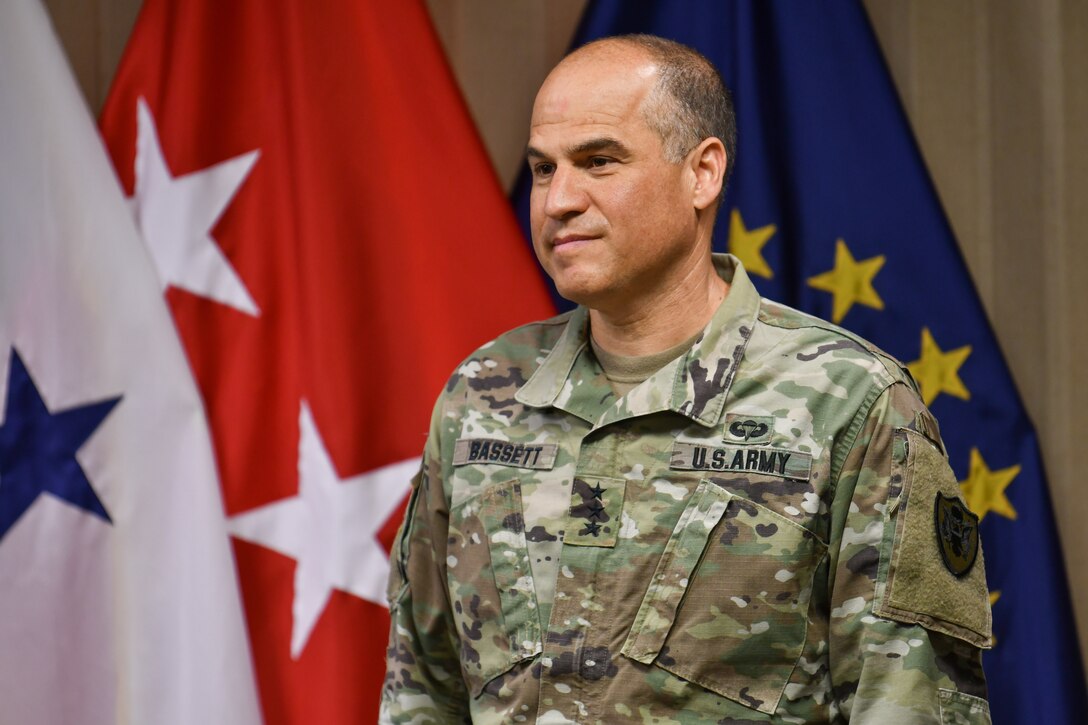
x=625, y=372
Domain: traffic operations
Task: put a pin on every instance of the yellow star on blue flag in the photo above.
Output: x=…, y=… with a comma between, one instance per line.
x=747, y=245
x=849, y=282
x=938, y=372
x=984, y=490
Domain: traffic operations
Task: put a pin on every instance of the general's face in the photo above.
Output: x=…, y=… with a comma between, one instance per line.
x=609, y=213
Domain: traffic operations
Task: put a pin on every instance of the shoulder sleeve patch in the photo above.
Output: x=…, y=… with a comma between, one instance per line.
x=931, y=569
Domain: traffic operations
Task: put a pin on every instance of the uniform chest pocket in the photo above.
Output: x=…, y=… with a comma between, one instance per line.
x=491, y=584
x=727, y=607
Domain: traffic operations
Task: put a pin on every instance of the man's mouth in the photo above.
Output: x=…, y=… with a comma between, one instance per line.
x=565, y=239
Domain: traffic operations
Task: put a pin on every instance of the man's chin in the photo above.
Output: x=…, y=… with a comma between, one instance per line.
x=581, y=292
x=573, y=290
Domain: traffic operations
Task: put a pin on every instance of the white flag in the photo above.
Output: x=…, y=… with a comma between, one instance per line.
x=119, y=600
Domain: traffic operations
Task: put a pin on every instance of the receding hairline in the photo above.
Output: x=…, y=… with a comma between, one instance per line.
x=615, y=50
x=622, y=51
x=658, y=53
x=618, y=49
x=612, y=44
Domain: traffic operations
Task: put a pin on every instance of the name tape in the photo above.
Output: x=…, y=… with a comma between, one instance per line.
x=540, y=456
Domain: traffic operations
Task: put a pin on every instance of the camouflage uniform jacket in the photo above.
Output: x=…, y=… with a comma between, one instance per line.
x=748, y=536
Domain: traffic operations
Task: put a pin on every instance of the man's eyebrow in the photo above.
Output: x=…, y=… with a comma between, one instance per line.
x=604, y=143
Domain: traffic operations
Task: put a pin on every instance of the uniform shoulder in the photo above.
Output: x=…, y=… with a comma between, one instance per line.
x=509, y=359
x=821, y=336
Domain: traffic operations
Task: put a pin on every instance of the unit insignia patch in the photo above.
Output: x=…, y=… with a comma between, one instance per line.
x=957, y=534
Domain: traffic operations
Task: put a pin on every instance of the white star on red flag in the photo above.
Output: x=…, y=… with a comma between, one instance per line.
x=372, y=287
x=330, y=529
x=176, y=215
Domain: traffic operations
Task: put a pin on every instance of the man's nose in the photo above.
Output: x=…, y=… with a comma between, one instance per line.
x=566, y=194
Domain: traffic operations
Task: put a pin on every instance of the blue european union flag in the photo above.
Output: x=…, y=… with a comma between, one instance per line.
x=832, y=211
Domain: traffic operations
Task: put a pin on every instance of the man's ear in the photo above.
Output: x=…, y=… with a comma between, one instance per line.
x=708, y=162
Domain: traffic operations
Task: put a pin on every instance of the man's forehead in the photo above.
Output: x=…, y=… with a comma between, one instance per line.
x=606, y=69
x=599, y=88
x=608, y=50
x=575, y=133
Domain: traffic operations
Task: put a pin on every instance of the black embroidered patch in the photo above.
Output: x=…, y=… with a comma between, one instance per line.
x=740, y=428
x=957, y=534
x=594, y=517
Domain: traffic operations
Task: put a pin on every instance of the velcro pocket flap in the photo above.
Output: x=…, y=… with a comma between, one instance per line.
x=491, y=585
x=942, y=591
x=958, y=708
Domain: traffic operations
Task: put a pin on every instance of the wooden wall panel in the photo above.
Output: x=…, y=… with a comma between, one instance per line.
x=1065, y=361
x=500, y=52
x=998, y=96
x=93, y=33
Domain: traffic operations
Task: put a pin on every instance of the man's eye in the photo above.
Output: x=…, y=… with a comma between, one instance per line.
x=598, y=162
x=543, y=169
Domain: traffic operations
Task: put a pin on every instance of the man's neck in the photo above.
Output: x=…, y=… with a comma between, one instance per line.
x=656, y=322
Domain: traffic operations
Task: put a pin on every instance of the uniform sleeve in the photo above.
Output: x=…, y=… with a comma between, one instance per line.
x=909, y=608
x=423, y=682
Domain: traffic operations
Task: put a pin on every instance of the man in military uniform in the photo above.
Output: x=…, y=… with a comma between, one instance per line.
x=679, y=503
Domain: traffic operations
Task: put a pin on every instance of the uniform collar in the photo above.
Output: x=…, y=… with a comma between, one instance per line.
x=694, y=385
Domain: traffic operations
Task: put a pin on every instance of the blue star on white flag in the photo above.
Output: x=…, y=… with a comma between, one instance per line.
x=38, y=449
x=119, y=600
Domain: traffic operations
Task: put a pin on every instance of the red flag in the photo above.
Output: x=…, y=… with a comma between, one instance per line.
x=332, y=242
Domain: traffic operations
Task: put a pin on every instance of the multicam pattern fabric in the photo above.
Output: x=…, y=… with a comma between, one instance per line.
x=713, y=547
